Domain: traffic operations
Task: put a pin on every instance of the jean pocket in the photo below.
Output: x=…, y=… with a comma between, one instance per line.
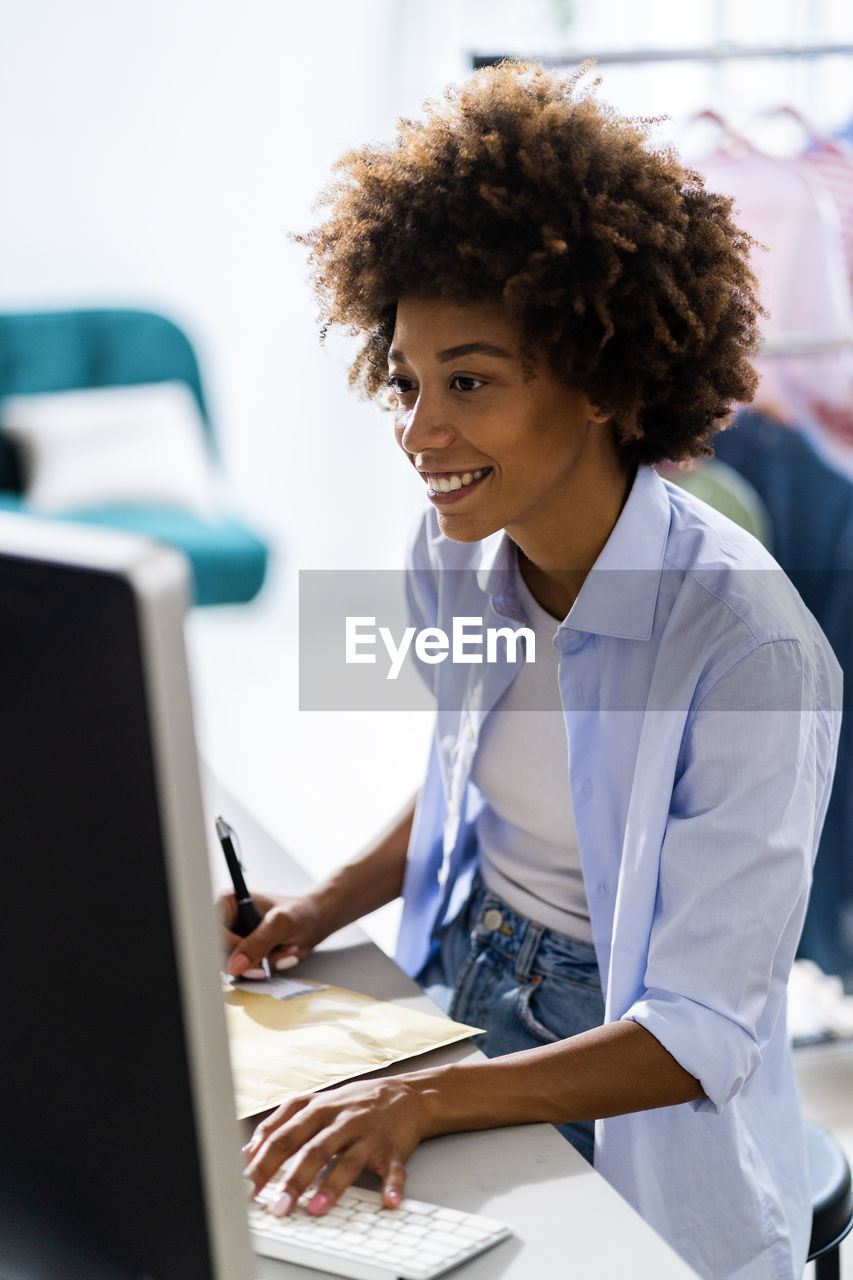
x=474, y=982
x=528, y=1019
x=568, y=961
x=552, y=1009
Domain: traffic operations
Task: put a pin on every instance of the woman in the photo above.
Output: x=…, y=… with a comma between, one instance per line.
x=554, y=307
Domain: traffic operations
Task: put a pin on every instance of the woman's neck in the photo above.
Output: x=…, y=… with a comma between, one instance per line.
x=555, y=562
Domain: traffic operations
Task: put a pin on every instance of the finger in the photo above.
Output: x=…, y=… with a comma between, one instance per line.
x=226, y=906
x=227, y=903
x=394, y=1184
x=284, y=1112
x=301, y=1138
x=257, y=945
x=238, y=965
x=303, y=1170
x=242, y=966
x=346, y=1169
x=275, y=1140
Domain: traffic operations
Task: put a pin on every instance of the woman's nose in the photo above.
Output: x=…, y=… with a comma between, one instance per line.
x=424, y=426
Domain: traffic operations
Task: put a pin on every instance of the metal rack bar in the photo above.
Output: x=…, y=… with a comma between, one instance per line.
x=807, y=344
x=712, y=53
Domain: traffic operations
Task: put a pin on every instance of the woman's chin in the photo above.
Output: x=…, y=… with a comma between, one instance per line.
x=458, y=528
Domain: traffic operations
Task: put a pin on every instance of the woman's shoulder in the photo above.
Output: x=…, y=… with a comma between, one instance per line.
x=727, y=577
x=701, y=536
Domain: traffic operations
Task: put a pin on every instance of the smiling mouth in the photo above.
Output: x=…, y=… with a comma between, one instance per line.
x=452, y=481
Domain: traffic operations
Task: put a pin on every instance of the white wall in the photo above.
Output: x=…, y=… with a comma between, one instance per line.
x=157, y=154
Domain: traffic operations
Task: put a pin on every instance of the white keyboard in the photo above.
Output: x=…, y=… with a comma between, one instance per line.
x=361, y=1239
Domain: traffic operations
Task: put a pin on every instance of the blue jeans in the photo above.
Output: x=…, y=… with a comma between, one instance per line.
x=525, y=984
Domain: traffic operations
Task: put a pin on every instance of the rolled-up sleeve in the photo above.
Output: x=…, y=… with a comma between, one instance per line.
x=735, y=866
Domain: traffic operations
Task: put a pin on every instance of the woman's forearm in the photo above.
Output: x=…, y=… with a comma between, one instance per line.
x=608, y=1071
x=370, y=880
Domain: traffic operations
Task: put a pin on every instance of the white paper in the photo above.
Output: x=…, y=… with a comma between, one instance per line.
x=279, y=987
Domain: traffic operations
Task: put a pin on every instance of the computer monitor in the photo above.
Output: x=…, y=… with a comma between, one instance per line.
x=119, y=1147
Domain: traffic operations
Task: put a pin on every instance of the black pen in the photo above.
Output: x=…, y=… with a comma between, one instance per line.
x=247, y=913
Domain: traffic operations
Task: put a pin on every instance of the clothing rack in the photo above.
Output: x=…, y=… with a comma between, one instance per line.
x=721, y=52
x=787, y=344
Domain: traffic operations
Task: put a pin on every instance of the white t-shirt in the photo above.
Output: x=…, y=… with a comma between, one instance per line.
x=526, y=831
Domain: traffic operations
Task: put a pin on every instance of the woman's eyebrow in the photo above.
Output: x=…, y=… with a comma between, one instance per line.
x=473, y=348
x=464, y=349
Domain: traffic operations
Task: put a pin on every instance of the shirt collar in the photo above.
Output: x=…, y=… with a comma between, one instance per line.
x=497, y=573
x=620, y=592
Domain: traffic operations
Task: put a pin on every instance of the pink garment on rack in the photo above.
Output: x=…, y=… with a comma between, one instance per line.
x=803, y=284
x=833, y=163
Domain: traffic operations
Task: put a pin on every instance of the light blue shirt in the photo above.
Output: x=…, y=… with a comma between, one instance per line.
x=702, y=708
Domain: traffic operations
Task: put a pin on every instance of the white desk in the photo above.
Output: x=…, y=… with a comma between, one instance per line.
x=528, y=1176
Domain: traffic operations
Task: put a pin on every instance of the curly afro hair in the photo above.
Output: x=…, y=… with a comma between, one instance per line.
x=611, y=256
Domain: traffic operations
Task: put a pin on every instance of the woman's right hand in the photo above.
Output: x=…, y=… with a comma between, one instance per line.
x=290, y=928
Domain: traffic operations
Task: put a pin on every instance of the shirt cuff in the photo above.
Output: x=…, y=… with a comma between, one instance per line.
x=712, y=1048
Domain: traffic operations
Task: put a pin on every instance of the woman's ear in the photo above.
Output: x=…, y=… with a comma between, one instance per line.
x=600, y=415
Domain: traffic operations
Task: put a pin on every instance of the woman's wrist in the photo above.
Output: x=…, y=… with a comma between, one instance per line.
x=450, y=1100
x=333, y=905
x=348, y=894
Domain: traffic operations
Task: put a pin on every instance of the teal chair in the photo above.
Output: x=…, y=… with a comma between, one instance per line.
x=69, y=350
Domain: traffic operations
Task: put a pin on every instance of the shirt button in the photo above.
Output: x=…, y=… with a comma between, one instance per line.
x=587, y=788
x=453, y=807
x=603, y=888
x=493, y=919
x=469, y=731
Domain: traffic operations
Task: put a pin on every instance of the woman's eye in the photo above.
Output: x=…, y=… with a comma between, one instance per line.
x=402, y=386
x=465, y=383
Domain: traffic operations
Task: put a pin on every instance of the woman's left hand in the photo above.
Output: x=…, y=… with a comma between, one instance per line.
x=370, y=1124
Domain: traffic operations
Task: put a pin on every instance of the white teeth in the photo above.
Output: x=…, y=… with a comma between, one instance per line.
x=449, y=484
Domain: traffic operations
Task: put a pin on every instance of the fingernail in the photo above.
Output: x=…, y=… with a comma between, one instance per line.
x=318, y=1203
x=282, y=1205
x=254, y=973
x=247, y=1146
x=393, y=1195
x=285, y=962
x=237, y=965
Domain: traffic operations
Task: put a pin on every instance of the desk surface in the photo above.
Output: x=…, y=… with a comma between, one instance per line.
x=528, y=1176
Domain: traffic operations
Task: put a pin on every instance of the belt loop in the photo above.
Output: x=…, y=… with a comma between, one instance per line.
x=527, y=951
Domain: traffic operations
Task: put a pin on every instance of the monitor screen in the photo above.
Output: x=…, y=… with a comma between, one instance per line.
x=119, y=1146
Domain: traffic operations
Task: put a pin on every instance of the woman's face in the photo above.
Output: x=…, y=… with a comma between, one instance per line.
x=499, y=446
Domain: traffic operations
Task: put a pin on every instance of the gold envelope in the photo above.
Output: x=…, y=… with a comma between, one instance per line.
x=281, y=1047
